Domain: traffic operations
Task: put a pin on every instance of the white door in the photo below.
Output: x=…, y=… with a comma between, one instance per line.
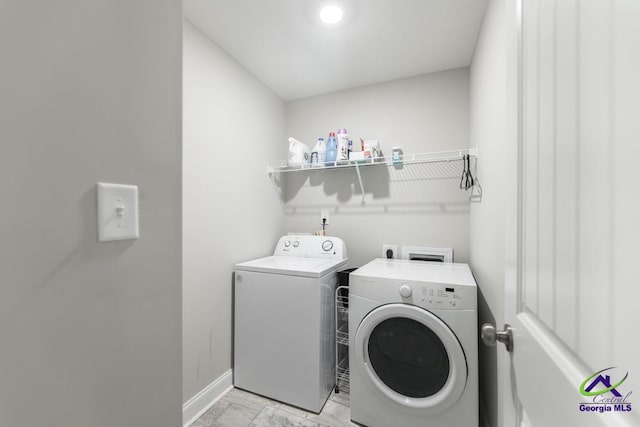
x=573, y=283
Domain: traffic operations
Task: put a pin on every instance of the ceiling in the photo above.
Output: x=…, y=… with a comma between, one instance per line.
x=285, y=45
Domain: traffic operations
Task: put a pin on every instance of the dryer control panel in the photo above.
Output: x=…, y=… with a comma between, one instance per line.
x=431, y=285
x=435, y=296
x=305, y=246
x=444, y=296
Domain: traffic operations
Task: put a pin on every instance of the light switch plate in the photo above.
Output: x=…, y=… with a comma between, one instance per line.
x=117, y=212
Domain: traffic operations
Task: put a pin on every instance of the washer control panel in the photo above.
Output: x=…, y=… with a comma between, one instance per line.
x=305, y=246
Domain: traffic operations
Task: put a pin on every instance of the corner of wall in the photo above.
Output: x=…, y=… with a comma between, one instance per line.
x=233, y=129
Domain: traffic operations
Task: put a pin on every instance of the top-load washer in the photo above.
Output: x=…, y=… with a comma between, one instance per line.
x=413, y=352
x=284, y=342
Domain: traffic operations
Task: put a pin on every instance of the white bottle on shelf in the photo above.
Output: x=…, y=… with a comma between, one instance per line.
x=319, y=153
x=343, y=145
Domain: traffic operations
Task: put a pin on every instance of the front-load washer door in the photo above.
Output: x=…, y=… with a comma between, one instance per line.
x=412, y=357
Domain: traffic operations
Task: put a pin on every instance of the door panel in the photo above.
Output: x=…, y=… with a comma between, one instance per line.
x=626, y=209
x=595, y=148
x=570, y=301
x=566, y=173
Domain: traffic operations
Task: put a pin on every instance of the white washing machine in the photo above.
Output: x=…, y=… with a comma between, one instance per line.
x=284, y=330
x=413, y=337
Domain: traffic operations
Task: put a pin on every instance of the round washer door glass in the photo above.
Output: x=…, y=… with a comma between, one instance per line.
x=411, y=356
x=408, y=357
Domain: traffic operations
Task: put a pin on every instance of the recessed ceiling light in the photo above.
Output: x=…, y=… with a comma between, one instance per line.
x=331, y=14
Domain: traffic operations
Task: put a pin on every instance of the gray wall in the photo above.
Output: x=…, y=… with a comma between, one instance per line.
x=415, y=205
x=488, y=121
x=90, y=332
x=233, y=128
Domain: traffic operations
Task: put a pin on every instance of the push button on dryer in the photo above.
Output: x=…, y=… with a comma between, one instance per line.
x=405, y=291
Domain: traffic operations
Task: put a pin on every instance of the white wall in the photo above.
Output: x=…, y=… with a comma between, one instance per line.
x=416, y=205
x=488, y=129
x=89, y=332
x=233, y=128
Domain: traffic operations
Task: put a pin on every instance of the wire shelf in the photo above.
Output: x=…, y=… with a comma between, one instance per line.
x=342, y=339
x=436, y=156
x=342, y=335
x=342, y=300
x=342, y=380
x=406, y=159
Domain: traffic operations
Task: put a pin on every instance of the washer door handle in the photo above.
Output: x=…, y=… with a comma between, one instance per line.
x=490, y=336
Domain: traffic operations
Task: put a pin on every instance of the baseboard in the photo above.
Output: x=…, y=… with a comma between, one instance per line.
x=198, y=404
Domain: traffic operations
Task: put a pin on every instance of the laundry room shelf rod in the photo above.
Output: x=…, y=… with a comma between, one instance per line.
x=432, y=157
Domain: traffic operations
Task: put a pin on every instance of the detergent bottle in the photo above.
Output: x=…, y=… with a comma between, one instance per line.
x=332, y=148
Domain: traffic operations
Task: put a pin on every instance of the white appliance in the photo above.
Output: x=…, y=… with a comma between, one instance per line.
x=284, y=343
x=413, y=335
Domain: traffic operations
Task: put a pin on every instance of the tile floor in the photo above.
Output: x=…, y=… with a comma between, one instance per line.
x=239, y=408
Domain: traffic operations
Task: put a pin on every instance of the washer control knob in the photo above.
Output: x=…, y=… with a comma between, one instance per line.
x=405, y=291
x=296, y=244
x=327, y=245
x=287, y=243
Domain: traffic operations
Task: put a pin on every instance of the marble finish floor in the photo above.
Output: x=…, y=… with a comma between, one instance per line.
x=239, y=408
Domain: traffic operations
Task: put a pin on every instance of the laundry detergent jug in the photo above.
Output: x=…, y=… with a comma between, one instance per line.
x=299, y=153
